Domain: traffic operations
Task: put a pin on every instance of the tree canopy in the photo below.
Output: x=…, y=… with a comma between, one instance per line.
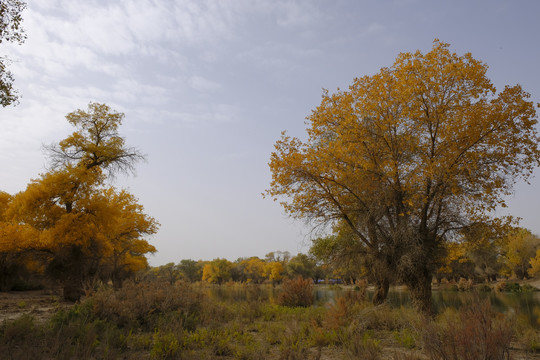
x=407, y=158
x=10, y=31
x=96, y=143
x=83, y=227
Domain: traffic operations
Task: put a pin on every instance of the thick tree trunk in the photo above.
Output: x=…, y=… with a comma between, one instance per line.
x=420, y=289
x=117, y=281
x=381, y=291
x=73, y=291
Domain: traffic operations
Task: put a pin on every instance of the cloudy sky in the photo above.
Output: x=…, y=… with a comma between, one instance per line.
x=207, y=87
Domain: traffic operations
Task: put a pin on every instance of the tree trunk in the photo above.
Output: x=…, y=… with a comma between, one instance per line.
x=420, y=289
x=72, y=291
x=381, y=291
x=117, y=281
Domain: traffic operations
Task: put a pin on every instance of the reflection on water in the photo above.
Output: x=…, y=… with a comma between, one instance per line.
x=525, y=307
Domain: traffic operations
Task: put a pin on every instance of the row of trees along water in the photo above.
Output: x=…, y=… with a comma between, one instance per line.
x=480, y=258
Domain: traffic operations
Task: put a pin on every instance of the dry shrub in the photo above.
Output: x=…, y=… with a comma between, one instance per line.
x=361, y=345
x=296, y=292
x=143, y=304
x=295, y=343
x=342, y=310
x=464, y=284
x=384, y=317
x=475, y=333
x=17, y=335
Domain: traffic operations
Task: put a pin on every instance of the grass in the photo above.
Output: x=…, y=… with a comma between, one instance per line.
x=151, y=320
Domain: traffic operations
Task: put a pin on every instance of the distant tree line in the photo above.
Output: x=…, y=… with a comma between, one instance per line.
x=274, y=268
x=480, y=256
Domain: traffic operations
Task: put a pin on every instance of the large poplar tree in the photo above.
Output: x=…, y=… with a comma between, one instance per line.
x=87, y=228
x=407, y=158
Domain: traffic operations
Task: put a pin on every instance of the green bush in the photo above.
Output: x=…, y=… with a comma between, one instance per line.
x=528, y=288
x=483, y=288
x=507, y=287
x=165, y=346
x=405, y=337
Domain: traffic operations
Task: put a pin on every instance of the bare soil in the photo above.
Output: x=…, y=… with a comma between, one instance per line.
x=41, y=304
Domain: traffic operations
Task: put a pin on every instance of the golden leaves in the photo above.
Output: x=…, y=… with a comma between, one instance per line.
x=70, y=211
x=425, y=142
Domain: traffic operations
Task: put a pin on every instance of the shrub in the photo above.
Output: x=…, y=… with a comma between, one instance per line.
x=472, y=334
x=464, y=284
x=483, y=288
x=165, y=346
x=383, y=317
x=405, y=337
x=528, y=288
x=296, y=292
x=362, y=346
x=295, y=344
x=507, y=287
x=142, y=305
x=530, y=339
x=342, y=310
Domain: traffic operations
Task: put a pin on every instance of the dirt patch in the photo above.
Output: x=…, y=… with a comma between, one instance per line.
x=41, y=304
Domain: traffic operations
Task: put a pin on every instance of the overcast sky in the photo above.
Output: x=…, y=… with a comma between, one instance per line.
x=207, y=87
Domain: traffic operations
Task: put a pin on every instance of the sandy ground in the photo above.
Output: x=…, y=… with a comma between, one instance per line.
x=41, y=304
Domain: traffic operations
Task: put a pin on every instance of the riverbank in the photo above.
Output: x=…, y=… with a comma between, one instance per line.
x=163, y=321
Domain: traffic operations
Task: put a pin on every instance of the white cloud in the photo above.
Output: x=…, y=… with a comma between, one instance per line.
x=295, y=14
x=278, y=55
x=374, y=28
x=196, y=115
x=203, y=85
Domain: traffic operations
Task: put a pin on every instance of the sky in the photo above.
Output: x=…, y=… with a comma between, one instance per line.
x=207, y=87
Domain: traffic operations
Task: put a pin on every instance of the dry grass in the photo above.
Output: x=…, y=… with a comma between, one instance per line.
x=152, y=320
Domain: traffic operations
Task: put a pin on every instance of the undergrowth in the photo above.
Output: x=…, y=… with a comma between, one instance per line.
x=163, y=321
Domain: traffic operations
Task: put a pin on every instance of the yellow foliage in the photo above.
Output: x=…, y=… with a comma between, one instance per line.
x=274, y=271
x=520, y=248
x=254, y=269
x=217, y=271
x=535, y=264
x=407, y=156
x=71, y=215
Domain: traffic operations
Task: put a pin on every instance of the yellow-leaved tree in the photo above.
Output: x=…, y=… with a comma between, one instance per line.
x=17, y=246
x=217, y=271
x=86, y=228
x=519, y=251
x=407, y=158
